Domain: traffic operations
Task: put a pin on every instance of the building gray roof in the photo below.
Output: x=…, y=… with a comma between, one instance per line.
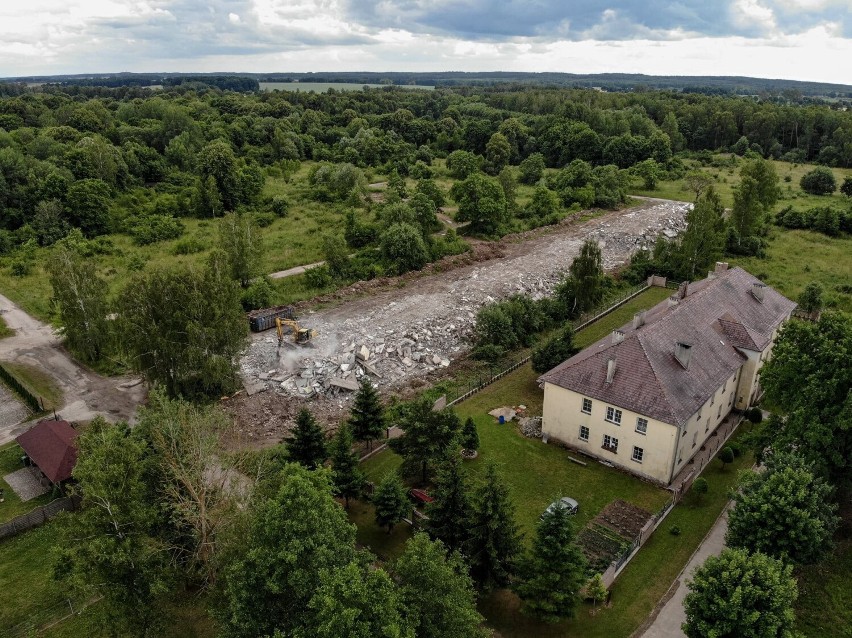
x=718, y=318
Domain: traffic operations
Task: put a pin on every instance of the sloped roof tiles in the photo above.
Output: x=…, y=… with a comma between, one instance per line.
x=718, y=317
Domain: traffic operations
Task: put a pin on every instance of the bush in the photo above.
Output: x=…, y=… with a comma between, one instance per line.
x=700, y=487
x=674, y=530
x=258, y=294
x=154, y=228
x=403, y=248
x=489, y=352
x=20, y=268
x=264, y=220
x=531, y=169
x=318, y=277
x=357, y=233
x=555, y=351
x=755, y=415
x=279, y=206
x=819, y=181
x=736, y=448
x=726, y=455
x=189, y=246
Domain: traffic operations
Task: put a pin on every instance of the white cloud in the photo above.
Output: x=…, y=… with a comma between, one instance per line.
x=234, y=18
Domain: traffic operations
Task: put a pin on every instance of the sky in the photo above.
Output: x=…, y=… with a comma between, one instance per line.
x=791, y=39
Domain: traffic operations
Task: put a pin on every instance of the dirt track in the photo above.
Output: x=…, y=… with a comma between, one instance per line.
x=86, y=393
x=411, y=331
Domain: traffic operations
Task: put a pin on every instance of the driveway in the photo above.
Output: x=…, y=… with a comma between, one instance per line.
x=86, y=393
x=671, y=615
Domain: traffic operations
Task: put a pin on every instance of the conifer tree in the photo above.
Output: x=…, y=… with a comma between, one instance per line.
x=449, y=512
x=307, y=446
x=347, y=477
x=469, y=435
x=494, y=542
x=391, y=501
x=367, y=418
x=554, y=571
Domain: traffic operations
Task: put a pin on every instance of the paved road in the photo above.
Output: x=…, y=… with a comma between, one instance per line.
x=671, y=616
x=86, y=393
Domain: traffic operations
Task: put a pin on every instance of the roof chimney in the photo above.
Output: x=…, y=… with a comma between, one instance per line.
x=610, y=370
x=711, y=274
x=683, y=353
x=683, y=290
x=673, y=301
x=638, y=320
x=721, y=266
x=617, y=336
x=757, y=289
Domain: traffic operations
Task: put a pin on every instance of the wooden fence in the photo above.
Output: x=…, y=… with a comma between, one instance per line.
x=38, y=516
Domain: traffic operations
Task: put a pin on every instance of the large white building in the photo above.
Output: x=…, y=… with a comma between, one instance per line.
x=646, y=397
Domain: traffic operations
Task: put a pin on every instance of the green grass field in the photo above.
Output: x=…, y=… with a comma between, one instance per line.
x=824, y=608
x=797, y=257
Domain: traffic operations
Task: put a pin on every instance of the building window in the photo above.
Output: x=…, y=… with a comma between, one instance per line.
x=610, y=443
x=698, y=418
x=725, y=387
x=638, y=453
x=712, y=399
x=683, y=432
x=584, y=433
x=613, y=415
x=587, y=406
x=719, y=413
x=695, y=438
x=641, y=425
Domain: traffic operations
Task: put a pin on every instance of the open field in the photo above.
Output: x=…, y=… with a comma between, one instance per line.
x=795, y=258
x=726, y=177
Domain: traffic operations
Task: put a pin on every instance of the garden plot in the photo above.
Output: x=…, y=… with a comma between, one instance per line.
x=611, y=532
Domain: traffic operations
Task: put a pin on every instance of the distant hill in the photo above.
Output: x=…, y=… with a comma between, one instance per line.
x=606, y=81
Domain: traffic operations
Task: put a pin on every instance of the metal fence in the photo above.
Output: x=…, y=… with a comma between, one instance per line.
x=38, y=516
x=33, y=402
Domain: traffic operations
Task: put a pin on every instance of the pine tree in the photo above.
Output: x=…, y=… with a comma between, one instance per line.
x=347, y=477
x=391, y=501
x=307, y=446
x=554, y=571
x=469, y=435
x=367, y=418
x=449, y=512
x=494, y=542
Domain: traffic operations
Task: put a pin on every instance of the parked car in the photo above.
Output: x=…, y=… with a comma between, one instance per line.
x=566, y=502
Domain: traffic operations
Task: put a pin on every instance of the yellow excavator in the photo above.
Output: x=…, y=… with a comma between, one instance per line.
x=301, y=336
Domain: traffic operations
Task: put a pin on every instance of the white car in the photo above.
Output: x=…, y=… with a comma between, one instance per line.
x=566, y=503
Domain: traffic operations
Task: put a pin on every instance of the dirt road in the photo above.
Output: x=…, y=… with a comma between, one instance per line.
x=86, y=393
x=406, y=332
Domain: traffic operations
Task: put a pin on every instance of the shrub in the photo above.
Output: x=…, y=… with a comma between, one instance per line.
x=700, y=487
x=20, y=268
x=736, y=448
x=189, y=246
x=153, y=228
x=318, y=277
x=819, y=181
x=755, y=415
x=403, y=248
x=258, y=294
x=674, y=530
x=264, y=220
x=279, y=206
x=726, y=455
x=357, y=233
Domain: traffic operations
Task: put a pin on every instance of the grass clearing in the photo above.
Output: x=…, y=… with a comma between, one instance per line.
x=38, y=383
x=10, y=461
x=795, y=258
x=824, y=608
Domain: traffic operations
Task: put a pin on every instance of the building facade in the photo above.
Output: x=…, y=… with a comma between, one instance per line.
x=648, y=396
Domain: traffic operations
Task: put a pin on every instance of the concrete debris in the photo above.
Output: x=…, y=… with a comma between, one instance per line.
x=530, y=426
x=411, y=332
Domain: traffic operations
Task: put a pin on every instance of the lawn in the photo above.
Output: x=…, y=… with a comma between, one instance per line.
x=38, y=383
x=824, y=608
x=28, y=593
x=10, y=461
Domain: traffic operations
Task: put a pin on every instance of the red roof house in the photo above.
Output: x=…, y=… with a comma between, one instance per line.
x=51, y=446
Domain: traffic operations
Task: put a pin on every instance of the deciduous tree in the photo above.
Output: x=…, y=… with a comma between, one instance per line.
x=586, y=276
x=437, y=592
x=556, y=350
x=427, y=434
x=703, y=241
x=740, y=595
x=785, y=512
x=242, y=242
x=481, y=202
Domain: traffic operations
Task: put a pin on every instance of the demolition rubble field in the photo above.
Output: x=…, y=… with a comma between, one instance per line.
x=397, y=335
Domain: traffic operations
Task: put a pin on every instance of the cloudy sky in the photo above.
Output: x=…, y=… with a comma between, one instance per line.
x=795, y=39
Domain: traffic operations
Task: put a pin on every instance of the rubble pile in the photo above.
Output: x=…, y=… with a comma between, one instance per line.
x=395, y=336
